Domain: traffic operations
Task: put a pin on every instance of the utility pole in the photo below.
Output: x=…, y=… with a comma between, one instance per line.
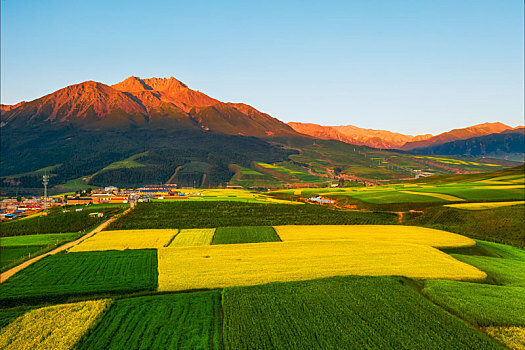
x=45, y=181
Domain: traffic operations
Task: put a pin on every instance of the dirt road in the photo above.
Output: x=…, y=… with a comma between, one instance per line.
x=5, y=275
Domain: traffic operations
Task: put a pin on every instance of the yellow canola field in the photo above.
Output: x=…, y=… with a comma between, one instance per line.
x=512, y=337
x=373, y=233
x=483, y=206
x=53, y=327
x=126, y=239
x=227, y=265
x=235, y=194
x=193, y=237
x=446, y=197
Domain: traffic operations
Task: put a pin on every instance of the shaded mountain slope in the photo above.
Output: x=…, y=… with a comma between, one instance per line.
x=458, y=134
x=509, y=144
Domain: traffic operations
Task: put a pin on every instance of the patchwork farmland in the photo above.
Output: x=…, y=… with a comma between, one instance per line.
x=231, y=274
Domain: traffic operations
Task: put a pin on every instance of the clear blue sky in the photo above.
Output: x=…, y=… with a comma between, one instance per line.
x=410, y=66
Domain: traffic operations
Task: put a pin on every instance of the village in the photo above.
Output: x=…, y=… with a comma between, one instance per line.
x=20, y=207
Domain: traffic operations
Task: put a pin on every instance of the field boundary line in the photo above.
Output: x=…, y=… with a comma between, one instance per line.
x=5, y=275
x=172, y=238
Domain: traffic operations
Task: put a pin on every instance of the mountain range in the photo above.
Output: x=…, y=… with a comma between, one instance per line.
x=390, y=140
x=158, y=129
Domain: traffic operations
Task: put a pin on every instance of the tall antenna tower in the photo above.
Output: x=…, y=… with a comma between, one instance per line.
x=45, y=181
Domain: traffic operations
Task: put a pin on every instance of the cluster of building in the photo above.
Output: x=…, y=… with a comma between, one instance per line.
x=131, y=196
x=15, y=208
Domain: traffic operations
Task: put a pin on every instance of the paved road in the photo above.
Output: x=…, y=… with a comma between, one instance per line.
x=5, y=275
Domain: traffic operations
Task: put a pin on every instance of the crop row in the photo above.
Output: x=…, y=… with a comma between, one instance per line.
x=58, y=276
x=223, y=214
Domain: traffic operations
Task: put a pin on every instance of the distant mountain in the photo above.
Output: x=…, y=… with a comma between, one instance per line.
x=143, y=103
x=391, y=140
x=458, y=134
x=357, y=136
x=509, y=145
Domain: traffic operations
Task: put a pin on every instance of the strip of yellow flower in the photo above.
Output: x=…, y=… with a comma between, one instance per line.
x=193, y=237
x=53, y=327
x=446, y=197
x=374, y=233
x=126, y=239
x=483, y=206
x=217, y=266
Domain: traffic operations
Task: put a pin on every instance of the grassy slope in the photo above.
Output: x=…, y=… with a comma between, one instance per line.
x=334, y=313
x=503, y=225
x=483, y=304
x=479, y=304
x=247, y=234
